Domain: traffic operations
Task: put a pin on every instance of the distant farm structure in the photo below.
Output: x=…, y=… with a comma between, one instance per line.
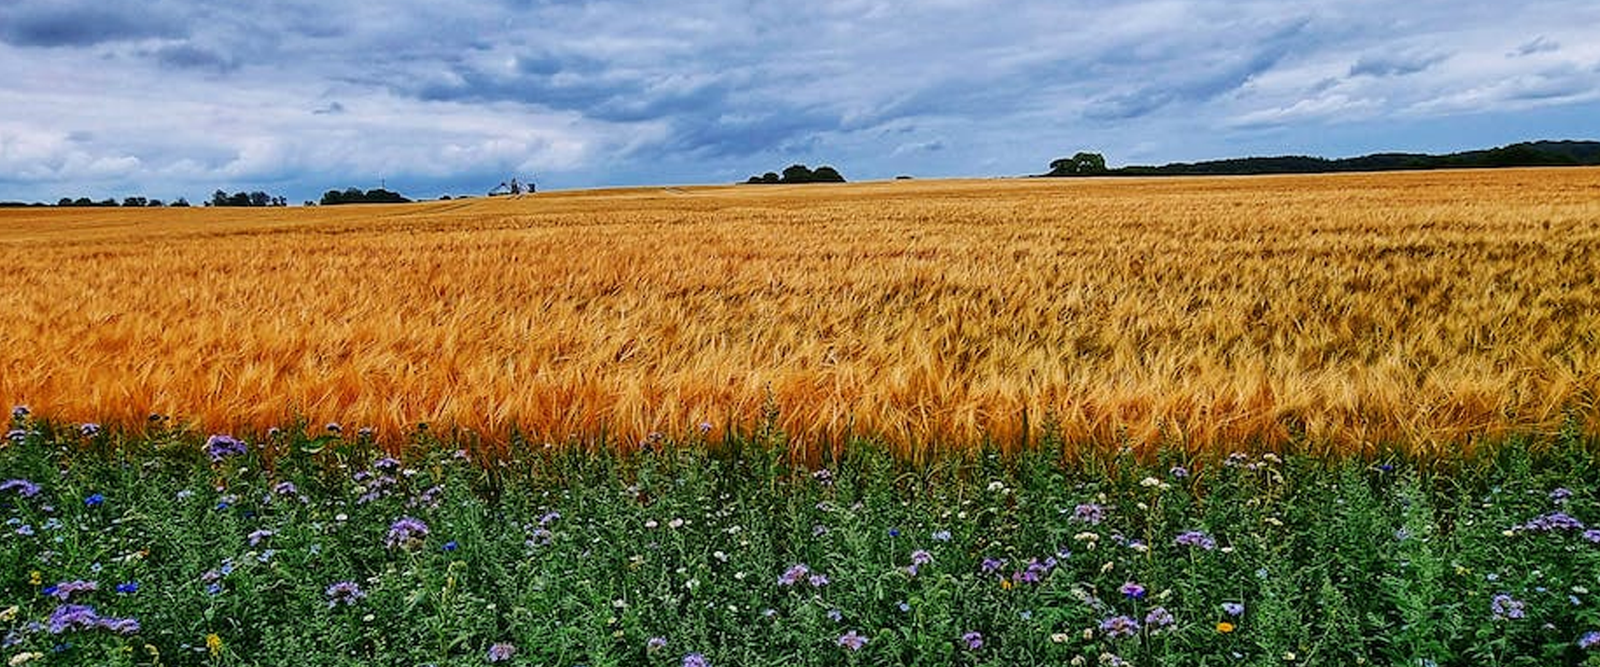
x=512, y=188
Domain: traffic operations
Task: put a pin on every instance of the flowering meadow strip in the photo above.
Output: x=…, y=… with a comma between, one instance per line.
x=197, y=552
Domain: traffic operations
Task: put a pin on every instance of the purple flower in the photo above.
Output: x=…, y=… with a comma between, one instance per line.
x=823, y=476
x=1589, y=641
x=818, y=580
x=991, y=565
x=921, y=557
x=1119, y=626
x=1195, y=538
x=695, y=660
x=406, y=532
x=67, y=589
x=1178, y=472
x=973, y=640
x=1506, y=607
x=795, y=574
x=1132, y=591
x=89, y=430
x=20, y=412
x=1233, y=609
x=501, y=652
x=1592, y=535
x=257, y=536
x=1159, y=617
x=22, y=487
x=219, y=447
x=285, y=489
x=72, y=617
x=655, y=644
x=16, y=435
x=1560, y=494
x=121, y=626
x=1089, y=513
x=852, y=641
x=344, y=592
x=1551, y=522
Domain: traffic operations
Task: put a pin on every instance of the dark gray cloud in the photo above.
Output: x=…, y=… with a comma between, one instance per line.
x=1540, y=44
x=70, y=24
x=1394, y=64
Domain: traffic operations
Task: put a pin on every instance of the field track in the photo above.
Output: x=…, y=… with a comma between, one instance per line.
x=1426, y=309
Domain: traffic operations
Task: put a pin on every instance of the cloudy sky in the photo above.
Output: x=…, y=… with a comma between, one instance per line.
x=179, y=97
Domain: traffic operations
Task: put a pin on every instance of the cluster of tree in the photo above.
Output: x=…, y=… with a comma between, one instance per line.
x=257, y=198
x=127, y=202
x=799, y=173
x=1526, y=154
x=356, y=196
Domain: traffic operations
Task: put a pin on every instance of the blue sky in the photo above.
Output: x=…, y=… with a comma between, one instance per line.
x=180, y=97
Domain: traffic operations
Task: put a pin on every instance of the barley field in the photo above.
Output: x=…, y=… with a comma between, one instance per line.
x=1351, y=312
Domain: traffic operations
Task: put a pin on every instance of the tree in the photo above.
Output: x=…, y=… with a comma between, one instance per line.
x=1081, y=164
x=797, y=173
x=154, y=203
x=826, y=174
x=180, y=203
x=140, y=202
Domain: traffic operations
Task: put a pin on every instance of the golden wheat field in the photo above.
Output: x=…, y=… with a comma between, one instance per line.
x=1422, y=309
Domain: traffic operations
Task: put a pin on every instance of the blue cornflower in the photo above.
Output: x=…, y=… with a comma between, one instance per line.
x=941, y=536
x=94, y=500
x=695, y=660
x=1132, y=590
x=973, y=640
x=128, y=587
x=1233, y=609
x=451, y=546
x=1589, y=641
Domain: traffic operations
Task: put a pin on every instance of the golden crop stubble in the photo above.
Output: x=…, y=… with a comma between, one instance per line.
x=1208, y=313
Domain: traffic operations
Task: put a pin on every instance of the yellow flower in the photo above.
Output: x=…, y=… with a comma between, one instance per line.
x=1224, y=627
x=214, y=644
x=24, y=658
x=9, y=613
x=35, y=578
x=1005, y=584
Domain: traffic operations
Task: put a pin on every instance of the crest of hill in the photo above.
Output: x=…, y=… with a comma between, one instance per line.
x=1524, y=154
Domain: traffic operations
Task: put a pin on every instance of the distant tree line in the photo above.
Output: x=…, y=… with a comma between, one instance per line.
x=356, y=196
x=1526, y=154
x=799, y=173
x=257, y=199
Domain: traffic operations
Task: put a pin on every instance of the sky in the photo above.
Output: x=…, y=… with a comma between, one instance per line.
x=169, y=98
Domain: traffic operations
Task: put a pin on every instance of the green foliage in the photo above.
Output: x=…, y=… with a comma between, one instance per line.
x=1080, y=164
x=356, y=196
x=799, y=173
x=585, y=555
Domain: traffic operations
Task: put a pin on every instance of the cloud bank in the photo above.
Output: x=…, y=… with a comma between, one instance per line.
x=180, y=97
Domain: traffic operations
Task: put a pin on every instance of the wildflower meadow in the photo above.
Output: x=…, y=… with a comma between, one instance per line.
x=314, y=546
